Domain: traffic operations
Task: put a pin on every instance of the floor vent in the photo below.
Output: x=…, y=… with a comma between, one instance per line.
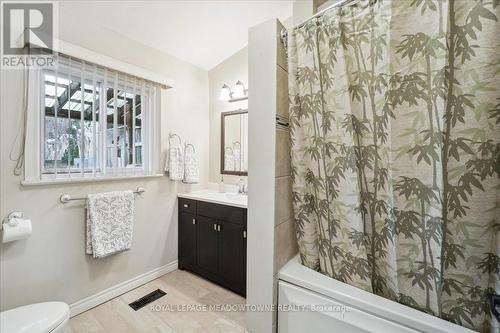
x=151, y=297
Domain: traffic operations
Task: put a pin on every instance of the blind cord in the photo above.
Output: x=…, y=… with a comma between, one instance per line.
x=19, y=158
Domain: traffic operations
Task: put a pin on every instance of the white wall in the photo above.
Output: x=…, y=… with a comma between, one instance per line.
x=228, y=72
x=302, y=10
x=52, y=264
x=271, y=227
x=262, y=43
x=322, y=4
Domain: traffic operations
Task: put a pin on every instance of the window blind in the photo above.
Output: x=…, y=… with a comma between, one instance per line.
x=94, y=121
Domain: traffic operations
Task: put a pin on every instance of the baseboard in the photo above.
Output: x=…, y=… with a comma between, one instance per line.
x=119, y=289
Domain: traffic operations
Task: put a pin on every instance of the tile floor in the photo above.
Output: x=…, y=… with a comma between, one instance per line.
x=162, y=315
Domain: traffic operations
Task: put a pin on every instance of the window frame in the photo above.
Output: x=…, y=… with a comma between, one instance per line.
x=151, y=100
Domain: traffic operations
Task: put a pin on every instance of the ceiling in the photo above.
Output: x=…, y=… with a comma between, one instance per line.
x=203, y=32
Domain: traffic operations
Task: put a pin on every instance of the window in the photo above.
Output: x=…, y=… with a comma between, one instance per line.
x=94, y=122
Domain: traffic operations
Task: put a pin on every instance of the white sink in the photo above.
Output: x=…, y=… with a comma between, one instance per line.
x=227, y=198
x=236, y=196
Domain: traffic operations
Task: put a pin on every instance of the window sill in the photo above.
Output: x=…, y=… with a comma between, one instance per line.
x=75, y=180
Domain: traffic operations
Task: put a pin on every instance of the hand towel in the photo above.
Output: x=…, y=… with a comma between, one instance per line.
x=190, y=167
x=175, y=163
x=110, y=221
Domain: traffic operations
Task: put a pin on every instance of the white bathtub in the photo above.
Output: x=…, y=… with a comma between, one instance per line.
x=299, y=286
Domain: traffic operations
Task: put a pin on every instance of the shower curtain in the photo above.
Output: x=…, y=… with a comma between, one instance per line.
x=395, y=130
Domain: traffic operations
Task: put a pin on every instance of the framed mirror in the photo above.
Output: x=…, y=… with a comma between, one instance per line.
x=234, y=143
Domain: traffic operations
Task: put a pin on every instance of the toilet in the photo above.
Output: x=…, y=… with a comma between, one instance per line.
x=35, y=318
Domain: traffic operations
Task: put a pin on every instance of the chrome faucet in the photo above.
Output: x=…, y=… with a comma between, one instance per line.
x=242, y=189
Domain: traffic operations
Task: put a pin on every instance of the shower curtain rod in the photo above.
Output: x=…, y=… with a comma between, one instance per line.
x=340, y=3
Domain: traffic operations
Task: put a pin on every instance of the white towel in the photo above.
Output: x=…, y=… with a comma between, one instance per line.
x=190, y=167
x=110, y=221
x=175, y=163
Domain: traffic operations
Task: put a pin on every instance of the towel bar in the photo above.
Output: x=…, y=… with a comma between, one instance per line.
x=65, y=197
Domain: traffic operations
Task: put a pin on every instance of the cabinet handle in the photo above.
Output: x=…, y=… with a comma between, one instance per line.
x=244, y=234
x=215, y=227
x=218, y=227
x=194, y=221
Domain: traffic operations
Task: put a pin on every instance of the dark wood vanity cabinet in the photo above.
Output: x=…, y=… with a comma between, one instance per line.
x=212, y=242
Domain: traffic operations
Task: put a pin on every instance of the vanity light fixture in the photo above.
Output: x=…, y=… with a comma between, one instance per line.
x=240, y=93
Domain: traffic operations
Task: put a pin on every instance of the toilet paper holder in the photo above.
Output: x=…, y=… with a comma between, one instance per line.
x=11, y=219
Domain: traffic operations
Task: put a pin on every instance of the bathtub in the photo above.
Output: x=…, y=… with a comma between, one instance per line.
x=336, y=307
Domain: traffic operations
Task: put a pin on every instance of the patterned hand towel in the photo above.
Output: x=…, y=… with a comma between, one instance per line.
x=175, y=163
x=190, y=167
x=110, y=222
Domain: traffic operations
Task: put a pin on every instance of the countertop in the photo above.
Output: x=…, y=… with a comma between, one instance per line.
x=227, y=198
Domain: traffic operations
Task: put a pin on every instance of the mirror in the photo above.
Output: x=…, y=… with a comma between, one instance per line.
x=234, y=143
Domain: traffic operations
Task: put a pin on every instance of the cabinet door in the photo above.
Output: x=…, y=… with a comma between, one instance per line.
x=230, y=251
x=187, y=239
x=207, y=244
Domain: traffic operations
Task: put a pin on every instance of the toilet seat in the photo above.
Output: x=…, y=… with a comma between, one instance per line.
x=35, y=318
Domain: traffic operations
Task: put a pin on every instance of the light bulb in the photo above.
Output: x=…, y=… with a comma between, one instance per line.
x=225, y=93
x=239, y=90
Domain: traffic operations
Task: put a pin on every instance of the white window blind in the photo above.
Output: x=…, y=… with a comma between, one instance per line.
x=91, y=122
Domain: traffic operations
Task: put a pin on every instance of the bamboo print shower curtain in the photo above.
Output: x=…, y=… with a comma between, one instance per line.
x=395, y=128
